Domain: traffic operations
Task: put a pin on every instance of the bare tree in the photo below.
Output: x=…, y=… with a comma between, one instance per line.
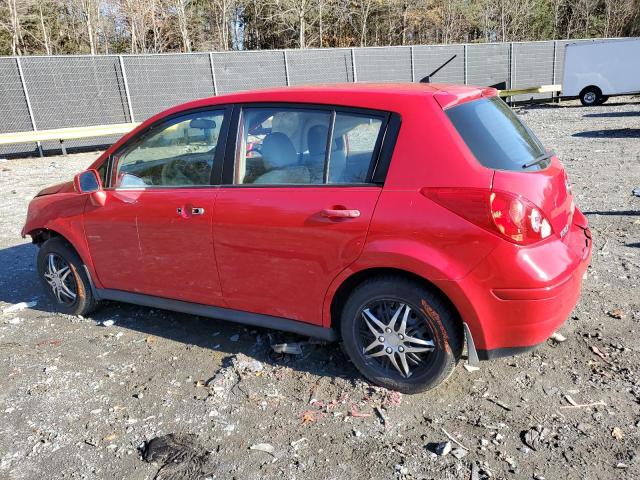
x=139, y=26
x=13, y=26
x=89, y=11
x=182, y=13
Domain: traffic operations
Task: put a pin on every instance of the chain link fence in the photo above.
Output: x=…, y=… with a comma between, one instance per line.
x=44, y=92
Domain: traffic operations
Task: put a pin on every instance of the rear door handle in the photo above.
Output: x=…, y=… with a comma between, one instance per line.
x=340, y=213
x=194, y=211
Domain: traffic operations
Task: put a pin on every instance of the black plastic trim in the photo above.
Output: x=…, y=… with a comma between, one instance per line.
x=237, y=316
x=505, y=352
x=388, y=146
x=228, y=165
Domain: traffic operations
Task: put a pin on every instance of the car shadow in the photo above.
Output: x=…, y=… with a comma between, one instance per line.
x=612, y=114
x=621, y=213
x=610, y=133
x=19, y=283
x=563, y=104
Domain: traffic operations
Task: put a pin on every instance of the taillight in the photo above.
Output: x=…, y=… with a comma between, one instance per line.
x=513, y=217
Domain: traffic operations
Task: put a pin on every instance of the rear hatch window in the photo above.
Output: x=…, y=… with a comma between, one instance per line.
x=496, y=136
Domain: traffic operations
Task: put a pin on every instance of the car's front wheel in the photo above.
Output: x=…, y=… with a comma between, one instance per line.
x=400, y=334
x=63, y=276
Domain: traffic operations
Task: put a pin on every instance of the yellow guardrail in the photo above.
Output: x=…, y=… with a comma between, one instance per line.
x=62, y=134
x=524, y=91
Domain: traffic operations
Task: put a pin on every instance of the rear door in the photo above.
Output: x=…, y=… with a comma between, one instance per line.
x=153, y=235
x=296, y=205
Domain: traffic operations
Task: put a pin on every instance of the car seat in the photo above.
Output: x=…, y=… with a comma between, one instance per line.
x=280, y=159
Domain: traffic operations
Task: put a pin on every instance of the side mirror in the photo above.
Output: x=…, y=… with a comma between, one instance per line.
x=89, y=182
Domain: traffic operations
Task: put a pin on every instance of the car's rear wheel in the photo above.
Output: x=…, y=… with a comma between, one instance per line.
x=401, y=335
x=590, y=96
x=63, y=276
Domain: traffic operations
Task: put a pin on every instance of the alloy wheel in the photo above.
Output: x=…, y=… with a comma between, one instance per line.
x=395, y=336
x=61, y=279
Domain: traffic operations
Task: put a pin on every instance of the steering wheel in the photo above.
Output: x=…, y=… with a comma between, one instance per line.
x=173, y=173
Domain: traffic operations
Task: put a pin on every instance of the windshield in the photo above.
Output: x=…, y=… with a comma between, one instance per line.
x=496, y=136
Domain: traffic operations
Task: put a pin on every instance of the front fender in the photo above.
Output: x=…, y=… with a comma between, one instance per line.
x=63, y=214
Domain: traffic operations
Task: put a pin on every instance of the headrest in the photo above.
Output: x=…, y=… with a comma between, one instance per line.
x=317, y=139
x=278, y=151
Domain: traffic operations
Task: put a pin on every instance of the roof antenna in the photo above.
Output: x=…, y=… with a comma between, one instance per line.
x=427, y=79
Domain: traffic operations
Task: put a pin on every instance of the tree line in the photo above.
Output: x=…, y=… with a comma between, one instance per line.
x=54, y=27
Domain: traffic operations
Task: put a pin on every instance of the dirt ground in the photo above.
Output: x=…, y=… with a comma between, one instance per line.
x=78, y=399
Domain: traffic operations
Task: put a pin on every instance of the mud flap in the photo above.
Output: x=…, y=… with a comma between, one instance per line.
x=472, y=354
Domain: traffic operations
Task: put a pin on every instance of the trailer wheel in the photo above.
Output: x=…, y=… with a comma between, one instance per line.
x=590, y=96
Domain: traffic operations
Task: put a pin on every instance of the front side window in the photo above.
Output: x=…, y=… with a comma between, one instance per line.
x=180, y=153
x=495, y=135
x=291, y=146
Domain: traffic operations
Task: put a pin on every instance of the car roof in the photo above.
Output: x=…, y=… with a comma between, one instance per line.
x=363, y=95
x=391, y=97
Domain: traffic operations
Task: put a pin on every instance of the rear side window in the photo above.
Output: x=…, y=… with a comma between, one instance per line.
x=495, y=135
x=306, y=146
x=353, y=147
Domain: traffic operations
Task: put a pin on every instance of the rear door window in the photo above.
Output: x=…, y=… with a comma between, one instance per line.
x=495, y=135
x=294, y=145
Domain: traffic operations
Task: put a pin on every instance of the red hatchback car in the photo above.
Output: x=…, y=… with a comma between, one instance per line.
x=407, y=220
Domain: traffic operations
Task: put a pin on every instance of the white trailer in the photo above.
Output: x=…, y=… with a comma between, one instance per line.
x=594, y=71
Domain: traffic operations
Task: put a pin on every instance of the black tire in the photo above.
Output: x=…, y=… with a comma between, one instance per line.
x=432, y=319
x=590, y=96
x=603, y=99
x=58, y=251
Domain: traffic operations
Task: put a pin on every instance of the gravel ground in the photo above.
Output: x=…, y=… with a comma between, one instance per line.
x=78, y=399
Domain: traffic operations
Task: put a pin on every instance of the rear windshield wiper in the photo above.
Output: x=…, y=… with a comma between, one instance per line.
x=537, y=160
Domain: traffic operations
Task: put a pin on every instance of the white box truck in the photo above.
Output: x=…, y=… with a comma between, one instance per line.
x=594, y=71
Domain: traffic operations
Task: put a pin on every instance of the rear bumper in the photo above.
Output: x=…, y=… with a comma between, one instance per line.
x=518, y=296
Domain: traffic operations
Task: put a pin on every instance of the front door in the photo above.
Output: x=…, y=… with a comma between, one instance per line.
x=153, y=235
x=298, y=212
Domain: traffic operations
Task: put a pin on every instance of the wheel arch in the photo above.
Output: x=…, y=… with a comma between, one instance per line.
x=356, y=278
x=41, y=234
x=590, y=87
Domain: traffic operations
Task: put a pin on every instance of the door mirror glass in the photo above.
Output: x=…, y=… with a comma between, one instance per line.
x=87, y=182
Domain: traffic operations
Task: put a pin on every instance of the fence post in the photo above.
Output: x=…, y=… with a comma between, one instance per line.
x=553, y=66
x=28, y=100
x=286, y=67
x=553, y=69
x=213, y=74
x=466, y=68
x=353, y=65
x=413, y=66
x=512, y=66
x=126, y=88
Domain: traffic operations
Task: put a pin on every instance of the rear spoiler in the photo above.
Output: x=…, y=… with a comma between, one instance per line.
x=447, y=100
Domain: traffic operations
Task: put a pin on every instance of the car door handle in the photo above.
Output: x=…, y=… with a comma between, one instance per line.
x=194, y=211
x=340, y=213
